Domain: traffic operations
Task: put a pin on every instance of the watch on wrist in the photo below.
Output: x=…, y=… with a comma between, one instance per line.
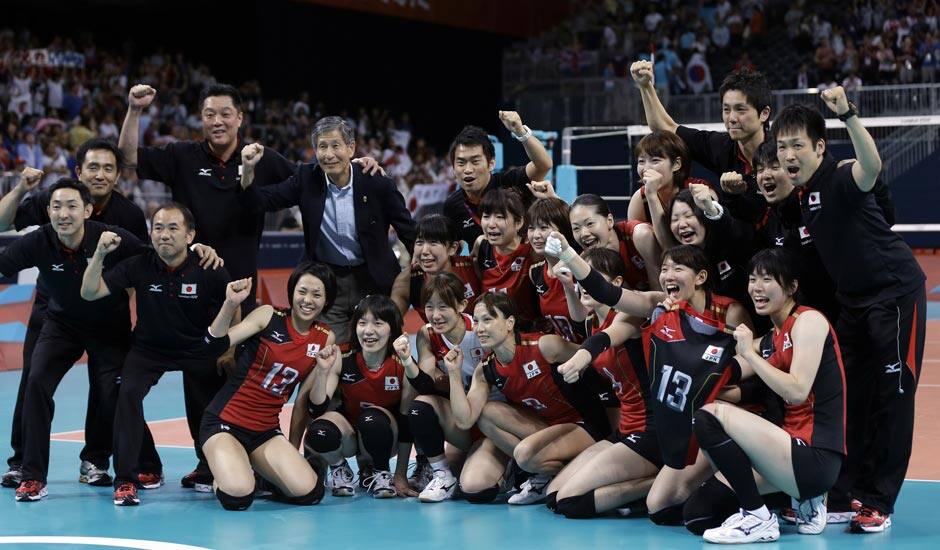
x=853, y=111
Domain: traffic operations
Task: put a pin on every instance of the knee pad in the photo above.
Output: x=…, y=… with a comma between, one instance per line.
x=234, y=504
x=485, y=496
x=372, y=420
x=323, y=436
x=311, y=498
x=426, y=427
x=579, y=507
x=375, y=429
x=708, y=429
x=709, y=506
x=668, y=516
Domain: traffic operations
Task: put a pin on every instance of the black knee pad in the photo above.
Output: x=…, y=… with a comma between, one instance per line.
x=313, y=497
x=579, y=507
x=371, y=420
x=323, y=436
x=485, y=496
x=234, y=504
x=551, y=501
x=668, y=516
x=426, y=428
x=708, y=429
x=375, y=430
x=709, y=506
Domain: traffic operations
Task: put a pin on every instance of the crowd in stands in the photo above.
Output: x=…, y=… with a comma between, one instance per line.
x=76, y=91
x=849, y=43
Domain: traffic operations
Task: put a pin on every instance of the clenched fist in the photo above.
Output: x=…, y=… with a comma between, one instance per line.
x=251, y=155
x=30, y=178
x=108, y=242
x=733, y=183
x=141, y=96
x=402, y=347
x=835, y=99
x=642, y=72
x=512, y=122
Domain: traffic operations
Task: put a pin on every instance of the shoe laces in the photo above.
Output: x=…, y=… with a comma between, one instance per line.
x=868, y=512
x=378, y=478
x=126, y=488
x=343, y=473
x=31, y=485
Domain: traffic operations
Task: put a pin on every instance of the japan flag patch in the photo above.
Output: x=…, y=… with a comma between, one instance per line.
x=713, y=354
x=188, y=289
x=531, y=370
x=814, y=199
x=312, y=350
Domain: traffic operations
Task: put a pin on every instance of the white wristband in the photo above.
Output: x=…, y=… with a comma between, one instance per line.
x=719, y=208
x=524, y=137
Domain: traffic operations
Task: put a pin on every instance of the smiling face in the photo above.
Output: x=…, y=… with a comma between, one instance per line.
x=538, y=233
x=740, y=117
x=373, y=333
x=685, y=226
x=309, y=298
x=433, y=256
x=220, y=121
x=679, y=281
x=170, y=235
x=768, y=295
x=663, y=166
x=590, y=228
x=491, y=329
x=799, y=156
x=586, y=300
x=471, y=168
x=773, y=182
x=99, y=172
x=500, y=229
x=334, y=154
x=67, y=212
x=441, y=315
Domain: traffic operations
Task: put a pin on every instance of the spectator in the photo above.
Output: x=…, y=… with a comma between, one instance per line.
x=851, y=82
x=29, y=152
x=721, y=35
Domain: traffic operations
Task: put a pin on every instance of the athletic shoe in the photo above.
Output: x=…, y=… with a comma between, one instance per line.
x=126, y=495
x=421, y=475
x=844, y=516
x=381, y=485
x=11, y=478
x=788, y=514
x=198, y=480
x=532, y=491
x=744, y=527
x=31, y=490
x=869, y=520
x=149, y=480
x=635, y=508
x=442, y=487
x=93, y=475
x=811, y=515
x=513, y=477
x=341, y=480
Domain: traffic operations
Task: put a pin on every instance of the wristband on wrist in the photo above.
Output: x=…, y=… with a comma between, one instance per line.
x=596, y=344
x=567, y=255
x=526, y=135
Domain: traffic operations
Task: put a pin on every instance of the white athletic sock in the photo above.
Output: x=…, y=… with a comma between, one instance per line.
x=762, y=512
x=440, y=465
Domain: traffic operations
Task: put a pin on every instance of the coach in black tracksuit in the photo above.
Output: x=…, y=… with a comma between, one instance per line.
x=881, y=290
x=60, y=251
x=176, y=300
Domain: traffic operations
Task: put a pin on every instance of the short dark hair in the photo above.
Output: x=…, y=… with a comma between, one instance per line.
x=694, y=258
x=318, y=270
x=552, y=211
x=797, y=117
x=436, y=228
x=188, y=217
x=99, y=144
x=381, y=307
x=779, y=263
x=69, y=183
x=495, y=302
x=503, y=201
x=766, y=153
x=604, y=260
x=470, y=136
x=447, y=286
x=590, y=200
x=754, y=86
x=219, y=89
x=669, y=146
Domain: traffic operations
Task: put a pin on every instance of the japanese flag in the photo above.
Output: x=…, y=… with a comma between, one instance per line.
x=813, y=198
x=804, y=233
x=188, y=289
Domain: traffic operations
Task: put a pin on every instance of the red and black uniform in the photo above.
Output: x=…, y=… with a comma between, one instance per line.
x=462, y=267
x=634, y=264
x=552, y=302
x=817, y=425
x=271, y=364
x=667, y=205
x=509, y=274
x=689, y=357
x=531, y=380
x=361, y=387
x=459, y=208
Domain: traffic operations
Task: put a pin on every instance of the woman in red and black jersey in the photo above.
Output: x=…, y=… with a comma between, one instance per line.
x=370, y=379
x=436, y=251
x=544, y=216
x=501, y=255
x=620, y=469
x=544, y=422
x=593, y=225
x=240, y=432
x=801, y=362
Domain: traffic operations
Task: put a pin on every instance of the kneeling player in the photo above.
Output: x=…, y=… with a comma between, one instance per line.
x=240, y=433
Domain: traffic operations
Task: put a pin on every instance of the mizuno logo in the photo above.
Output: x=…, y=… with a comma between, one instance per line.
x=156, y=288
x=205, y=172
x=541, y=289
x=668, y=332
x=893, y=368
x=349, y=377
x=468, y=223
x=224, y=427
x=778, y=241
x=58, y=267
x=633, y=438
x=277, y=336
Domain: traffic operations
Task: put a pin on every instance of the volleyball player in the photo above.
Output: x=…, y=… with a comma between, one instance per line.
x=593, y=225
x=543, y=423
x=370, y=379
x=621, y=468
x=240, y=432
x=800, y=361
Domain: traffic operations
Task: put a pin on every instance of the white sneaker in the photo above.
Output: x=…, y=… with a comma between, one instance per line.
x=532, y=491
x=341, y=480
x=92, y=475
x=743, y=527
x=421, y=475
x=442, y=487
x=381, y=485
x=811, y=517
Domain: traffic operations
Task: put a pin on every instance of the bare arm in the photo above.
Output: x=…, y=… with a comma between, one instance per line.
x=299, y=417
x=647, y=245
x=656, y=116
x=139, y=98
x=867, y=160
x=540, y=161
x=466, y=407
x=556, y=349
x=401, y=288
x=29, y=179
x=93, y=286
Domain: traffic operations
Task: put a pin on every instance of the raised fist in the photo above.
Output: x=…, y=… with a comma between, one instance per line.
x=733, y=183
x=141, y=96
x=835, y=99
x=30, y=178
x=642, y=72
x=238, y=290
x=542, y=189
x=453, y=360
x=402, y=347
x=108, y=242
x=512, y=122
x=652, y=181
x=251, y=155
x=702, y=195
x=327, y=356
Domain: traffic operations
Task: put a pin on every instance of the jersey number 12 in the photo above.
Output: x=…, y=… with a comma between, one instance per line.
x=288, y=376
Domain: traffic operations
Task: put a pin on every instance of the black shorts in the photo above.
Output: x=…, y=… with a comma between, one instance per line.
x=598, y=433
x=642, y=443
x=249, y=439
x=815, y=469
